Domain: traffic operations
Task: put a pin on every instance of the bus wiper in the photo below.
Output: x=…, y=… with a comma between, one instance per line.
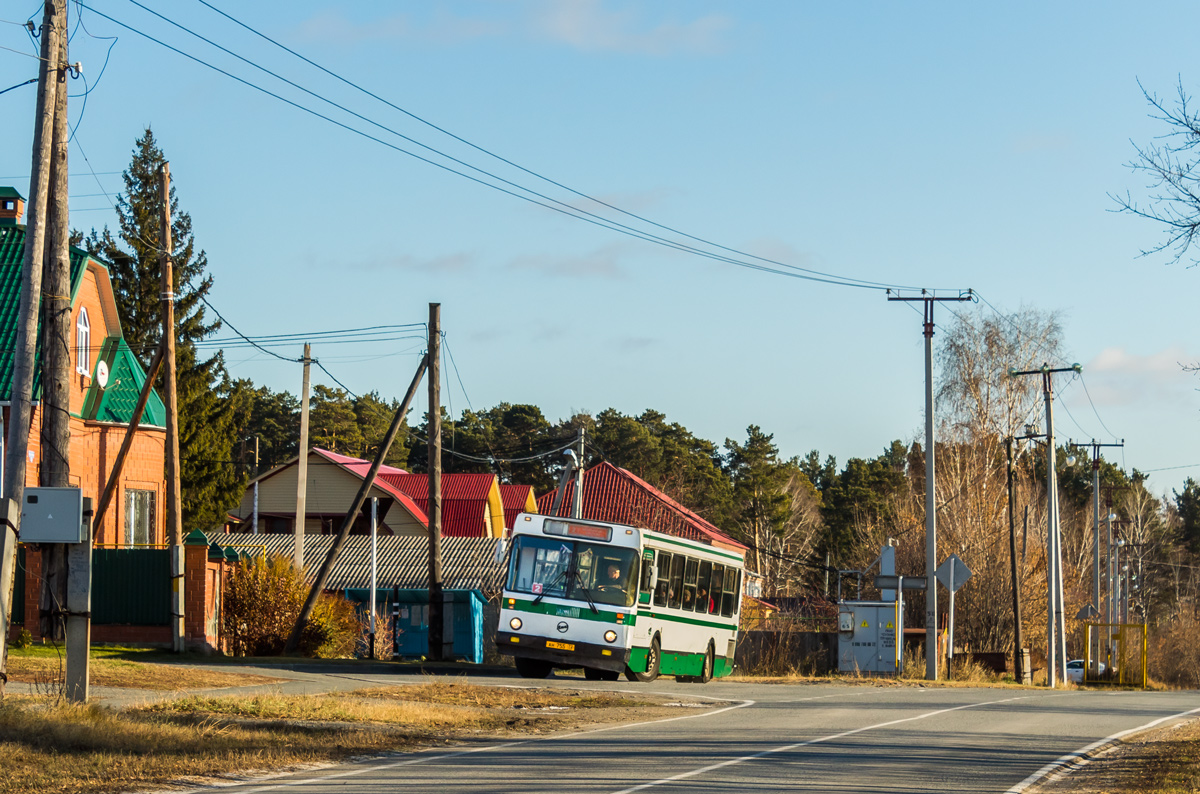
x=552, y=585
x=586, y=593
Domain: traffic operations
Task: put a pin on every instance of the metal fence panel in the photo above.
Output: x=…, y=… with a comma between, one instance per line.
x=131, y=586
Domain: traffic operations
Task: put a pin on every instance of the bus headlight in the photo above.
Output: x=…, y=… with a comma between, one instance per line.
x=610, y=636
x=515, y=623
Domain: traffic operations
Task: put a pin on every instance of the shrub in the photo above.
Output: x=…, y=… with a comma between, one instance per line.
x=262, y=600
x=23, y=639
x=1174, y=658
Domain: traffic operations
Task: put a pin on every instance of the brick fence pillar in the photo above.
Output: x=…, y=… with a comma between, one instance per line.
x=195, y=586
x=33, y=592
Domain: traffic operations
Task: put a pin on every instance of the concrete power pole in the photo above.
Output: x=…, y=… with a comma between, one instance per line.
x=302, y=467
x=436, y=627
x=56, y=358
x=1096, y=592
x=931, y=613
x=1056, y=640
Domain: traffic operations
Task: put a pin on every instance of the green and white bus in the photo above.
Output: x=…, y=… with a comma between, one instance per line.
x=611, y=598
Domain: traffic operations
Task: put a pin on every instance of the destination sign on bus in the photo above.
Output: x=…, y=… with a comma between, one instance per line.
x=577, y=530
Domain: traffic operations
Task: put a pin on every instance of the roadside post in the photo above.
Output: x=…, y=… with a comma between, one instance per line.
x=63, y=515
x=953, y=574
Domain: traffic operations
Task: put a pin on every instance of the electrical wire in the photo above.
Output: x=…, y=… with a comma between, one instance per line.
x=529, y=171
x=18, y=85
x=345, y=388
x=564, y=209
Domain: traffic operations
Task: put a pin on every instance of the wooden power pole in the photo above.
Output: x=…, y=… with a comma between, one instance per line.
x=21, y=390
x=56, y=358
x=174, y=511
x=302, y=467
x=436, y=628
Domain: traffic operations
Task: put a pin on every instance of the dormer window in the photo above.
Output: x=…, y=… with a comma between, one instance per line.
x=83, y=344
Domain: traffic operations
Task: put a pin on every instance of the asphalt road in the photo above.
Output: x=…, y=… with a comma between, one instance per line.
x=771, y=738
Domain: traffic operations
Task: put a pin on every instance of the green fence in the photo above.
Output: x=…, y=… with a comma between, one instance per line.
x=131, y=586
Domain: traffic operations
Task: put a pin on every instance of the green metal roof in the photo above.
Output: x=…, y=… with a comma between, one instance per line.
x=117, y=401
x=124, y=368
x=10, y=192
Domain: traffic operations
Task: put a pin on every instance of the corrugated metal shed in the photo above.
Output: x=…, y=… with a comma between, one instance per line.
x=467, y=563
x=617, y=495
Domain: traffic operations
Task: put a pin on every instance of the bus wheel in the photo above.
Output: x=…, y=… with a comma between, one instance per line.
x=532, y=668
x=706, y=672
x=653, y=661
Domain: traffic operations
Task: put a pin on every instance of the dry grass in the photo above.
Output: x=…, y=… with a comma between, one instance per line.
x=46, y=670
x=61, y=748
x=1165, y=761
x=83, y=749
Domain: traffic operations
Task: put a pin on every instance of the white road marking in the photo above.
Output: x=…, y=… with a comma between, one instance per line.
x=797, y=745
x=1084, y=754
x=428, y=758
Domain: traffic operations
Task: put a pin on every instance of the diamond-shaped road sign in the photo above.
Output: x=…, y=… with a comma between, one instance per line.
x=953, y=573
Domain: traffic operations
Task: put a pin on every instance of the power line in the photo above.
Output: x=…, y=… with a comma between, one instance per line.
x=565, y=209
x=520, y=167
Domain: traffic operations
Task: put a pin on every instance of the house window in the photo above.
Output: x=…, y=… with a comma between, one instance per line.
x=83, y=343
x=139, y=516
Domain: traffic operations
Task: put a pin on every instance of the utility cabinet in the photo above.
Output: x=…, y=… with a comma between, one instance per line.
x=869, y=635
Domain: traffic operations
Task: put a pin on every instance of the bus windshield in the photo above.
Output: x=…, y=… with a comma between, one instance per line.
x=574, y=569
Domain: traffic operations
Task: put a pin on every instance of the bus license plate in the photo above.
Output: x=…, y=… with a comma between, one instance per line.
x=562, y=646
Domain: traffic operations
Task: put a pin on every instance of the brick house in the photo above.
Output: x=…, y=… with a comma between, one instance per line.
x=106, y=379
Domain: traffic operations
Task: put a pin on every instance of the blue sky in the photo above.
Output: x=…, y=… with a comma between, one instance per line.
x=930, y=144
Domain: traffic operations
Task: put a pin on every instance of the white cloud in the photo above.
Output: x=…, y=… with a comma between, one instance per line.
x=590, y=26
x=602, y=263
x=448, y=264
x=586, y=25
x=1117, y=377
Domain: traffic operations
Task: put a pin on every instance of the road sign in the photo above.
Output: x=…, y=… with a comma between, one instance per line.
x=953, y=573
x=1087, y=613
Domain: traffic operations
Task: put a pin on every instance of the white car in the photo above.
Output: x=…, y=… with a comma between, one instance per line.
x=1075, y=670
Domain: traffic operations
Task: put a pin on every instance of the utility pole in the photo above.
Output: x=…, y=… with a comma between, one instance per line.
x=254, y=514
x=436, y=628
x=374, y=567
x=577, y=496
x=931, y=613
x=1018, y=640
x=20, y=411
x=56, y=358
x=302, y=467
x=174, y=510
x=1056, y=640
x=1095, y=445
x=339, y=540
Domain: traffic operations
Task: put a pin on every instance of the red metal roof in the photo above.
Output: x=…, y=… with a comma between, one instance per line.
x=356, y=465
x=464, y=500
x=515, y=497
x=621, y=497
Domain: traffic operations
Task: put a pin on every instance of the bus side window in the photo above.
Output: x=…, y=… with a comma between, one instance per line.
x=676, y=593
x=647, y=569
x=730, y=599
x=689, y=584
x=703, y=593
x=664, y=579
x=718, y=576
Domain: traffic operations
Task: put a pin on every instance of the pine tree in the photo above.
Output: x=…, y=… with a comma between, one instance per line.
x=211, y=406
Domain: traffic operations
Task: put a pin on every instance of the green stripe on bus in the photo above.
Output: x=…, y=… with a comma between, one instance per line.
x=559, y=610
x=690, y=621
x=697, y=547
